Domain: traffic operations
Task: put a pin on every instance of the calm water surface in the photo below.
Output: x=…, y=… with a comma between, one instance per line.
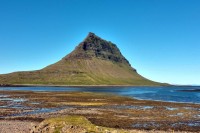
x=169, y=94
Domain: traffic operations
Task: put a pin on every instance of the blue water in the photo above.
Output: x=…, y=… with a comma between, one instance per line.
x=168, y=94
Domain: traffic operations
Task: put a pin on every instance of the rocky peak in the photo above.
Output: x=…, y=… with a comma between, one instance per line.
x=93, y=46
x=91, y=35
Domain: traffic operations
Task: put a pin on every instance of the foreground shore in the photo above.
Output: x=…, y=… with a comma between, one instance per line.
x=81, y=85
x=28, y=111
x=16, y=126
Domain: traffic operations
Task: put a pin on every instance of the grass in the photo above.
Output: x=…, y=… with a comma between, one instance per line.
x=83, y=103
x=80, y=72
x=75, y=124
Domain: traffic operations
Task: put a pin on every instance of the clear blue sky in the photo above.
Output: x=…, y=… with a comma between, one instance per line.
x=160, y=38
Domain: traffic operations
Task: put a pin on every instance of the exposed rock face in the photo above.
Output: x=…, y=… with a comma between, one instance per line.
x=93, y=46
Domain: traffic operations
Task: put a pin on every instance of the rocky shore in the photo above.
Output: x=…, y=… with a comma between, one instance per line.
x=16, y=126
x=28, y=111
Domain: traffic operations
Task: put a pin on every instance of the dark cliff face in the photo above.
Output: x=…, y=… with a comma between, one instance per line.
x=94, y=46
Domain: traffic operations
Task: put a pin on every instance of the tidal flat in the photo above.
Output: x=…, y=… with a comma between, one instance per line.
x=68, y=111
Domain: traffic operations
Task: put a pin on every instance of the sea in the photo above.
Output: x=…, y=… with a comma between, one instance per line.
x=177, y=94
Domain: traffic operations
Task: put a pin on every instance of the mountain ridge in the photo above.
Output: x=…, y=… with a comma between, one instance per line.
x=94, y=61
x=94, y=46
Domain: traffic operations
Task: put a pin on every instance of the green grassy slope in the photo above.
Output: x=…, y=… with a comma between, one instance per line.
x=79, y=72
x=94, y=62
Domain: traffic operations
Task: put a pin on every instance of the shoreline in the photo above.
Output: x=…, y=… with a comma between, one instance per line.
x=44, y=85
x=100, y=86
x=98, y=109
x=17, y=126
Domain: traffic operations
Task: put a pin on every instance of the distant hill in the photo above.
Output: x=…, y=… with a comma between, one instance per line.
x=94, y=61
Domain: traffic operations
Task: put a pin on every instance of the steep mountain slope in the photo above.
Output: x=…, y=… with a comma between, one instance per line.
x=93, y=62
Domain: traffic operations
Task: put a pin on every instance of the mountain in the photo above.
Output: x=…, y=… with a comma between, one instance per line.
x=94, y=61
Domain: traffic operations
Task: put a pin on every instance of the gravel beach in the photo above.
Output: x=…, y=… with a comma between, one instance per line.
x=14, y=126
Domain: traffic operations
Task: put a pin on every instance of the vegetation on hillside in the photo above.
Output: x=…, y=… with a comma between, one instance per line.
x=94, y=62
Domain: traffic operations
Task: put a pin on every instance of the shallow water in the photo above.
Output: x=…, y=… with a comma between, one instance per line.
x=20, y=105
x=168, y=94
x=174, y=125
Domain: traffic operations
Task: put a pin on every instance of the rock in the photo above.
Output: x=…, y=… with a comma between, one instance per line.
x=94, y=46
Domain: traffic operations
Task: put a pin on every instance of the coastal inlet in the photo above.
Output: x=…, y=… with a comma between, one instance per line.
x=101, y=109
